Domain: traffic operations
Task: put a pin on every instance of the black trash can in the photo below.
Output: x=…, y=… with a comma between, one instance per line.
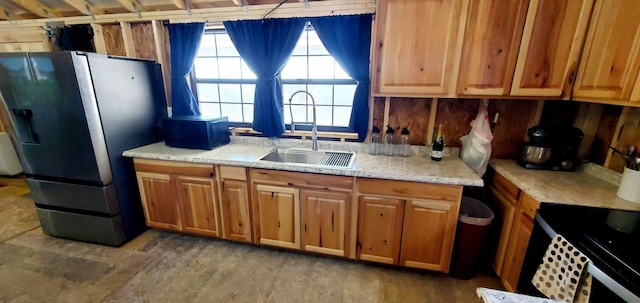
x=473, y=223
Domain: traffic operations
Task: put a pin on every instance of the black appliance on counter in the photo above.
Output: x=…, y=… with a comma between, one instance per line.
x=74, y=114
x=603, y=235
x=196, y=132
x=551, y=148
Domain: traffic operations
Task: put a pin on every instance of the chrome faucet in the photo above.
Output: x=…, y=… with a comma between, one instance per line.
x=314, y=125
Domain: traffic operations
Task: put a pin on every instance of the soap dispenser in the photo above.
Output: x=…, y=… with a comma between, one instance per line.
x=376, y=141
x=403, y=148
x=388, y=147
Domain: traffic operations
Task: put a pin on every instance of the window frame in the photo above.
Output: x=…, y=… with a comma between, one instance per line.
x=193, y=81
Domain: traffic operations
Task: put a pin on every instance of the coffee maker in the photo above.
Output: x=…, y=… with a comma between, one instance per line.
x=551, y=148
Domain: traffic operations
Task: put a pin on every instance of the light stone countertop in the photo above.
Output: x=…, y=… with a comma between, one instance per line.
x=245, y=151
x=590, y=185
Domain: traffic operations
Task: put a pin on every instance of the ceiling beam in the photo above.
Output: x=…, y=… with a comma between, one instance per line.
x=36, y=8
x=237, y=2
x=84, y=7
x=179, y=4
x=130, y=5
x=6, y=14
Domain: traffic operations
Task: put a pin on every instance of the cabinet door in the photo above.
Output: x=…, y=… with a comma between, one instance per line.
x=323, y=222
x=428, y=234
x=491, y=43
x=516, y=250
x=610, y=60
x=198, y=201
x=379, y=229
x=550, y=48
x=506, y=214
x=159, y=200
x=417, y=46
x=279, y=209
x=235, y=210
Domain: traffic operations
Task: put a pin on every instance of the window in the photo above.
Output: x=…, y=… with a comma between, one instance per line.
x=224, y=84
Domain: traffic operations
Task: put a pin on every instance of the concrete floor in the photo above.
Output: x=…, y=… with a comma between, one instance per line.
x=166, y=267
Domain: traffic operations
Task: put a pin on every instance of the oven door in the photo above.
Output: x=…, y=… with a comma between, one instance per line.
x=604, y=288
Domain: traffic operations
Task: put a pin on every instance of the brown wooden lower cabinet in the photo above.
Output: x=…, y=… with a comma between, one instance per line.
x=235, y=210
x=279, y=209
x=301, y=211
x=516, y=250
x=324, y=221
x=428, y=233
x=379, y=229
x=505, y=213
x=197, y=197
x=159, y=200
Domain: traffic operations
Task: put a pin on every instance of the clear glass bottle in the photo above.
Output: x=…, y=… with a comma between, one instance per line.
x=403, y=147
x=376, y=141
x=388, y=146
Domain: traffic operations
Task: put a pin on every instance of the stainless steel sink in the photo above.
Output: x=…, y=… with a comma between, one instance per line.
x=338, y=159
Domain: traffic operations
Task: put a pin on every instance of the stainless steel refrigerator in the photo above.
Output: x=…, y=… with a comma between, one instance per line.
x=74, y=113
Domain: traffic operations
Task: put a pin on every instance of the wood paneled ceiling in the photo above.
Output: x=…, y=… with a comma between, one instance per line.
x=35, y=9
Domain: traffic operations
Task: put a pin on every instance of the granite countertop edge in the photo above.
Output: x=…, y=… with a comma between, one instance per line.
x=250, y=161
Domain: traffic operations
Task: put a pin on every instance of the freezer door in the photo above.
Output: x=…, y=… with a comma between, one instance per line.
x=23, y=103
x=66, y=90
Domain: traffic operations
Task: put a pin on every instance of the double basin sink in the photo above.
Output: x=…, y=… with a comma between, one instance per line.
x=334, y=159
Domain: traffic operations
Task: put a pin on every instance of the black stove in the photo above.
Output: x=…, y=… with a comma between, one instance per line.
x=615, y=253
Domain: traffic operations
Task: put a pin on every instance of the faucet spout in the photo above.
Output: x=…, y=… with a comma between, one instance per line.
x=314, y=125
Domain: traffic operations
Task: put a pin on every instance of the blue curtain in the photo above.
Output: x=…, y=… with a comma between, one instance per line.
x=348, y=40
x=184, y=39
x=266, y=45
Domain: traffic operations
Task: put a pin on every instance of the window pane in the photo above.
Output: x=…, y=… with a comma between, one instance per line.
x=299, y=114
x=323, y=114
x=296, y=68
x=321, y=94
x=225, y=46
x=343, y=94
x=206, y=68
x=246, y=71
x=341, y=116
x=248, y=112
x=233, y=111
x=230, y=93
x=207, y=92
x=248, y=93
x=289, y=89
x=301, y=46
x=210, y=109
x=340, y=73
x=229, y=68
x=207, y=46
x=315, y=45
x=321, y=67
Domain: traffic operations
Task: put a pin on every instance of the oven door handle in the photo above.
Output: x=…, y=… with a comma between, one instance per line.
x=597, y=274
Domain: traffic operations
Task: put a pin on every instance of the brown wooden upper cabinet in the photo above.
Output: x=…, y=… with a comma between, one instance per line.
x=611, y=57
x=491, y=43
x=550, y=48
x=417, y=47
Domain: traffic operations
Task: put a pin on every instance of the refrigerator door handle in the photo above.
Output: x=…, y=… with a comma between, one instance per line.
x=24, y=125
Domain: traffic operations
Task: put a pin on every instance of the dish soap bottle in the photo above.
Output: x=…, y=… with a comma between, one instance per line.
x=376, y=141
x=438, y=145
x=404, y=144
x=389, y=142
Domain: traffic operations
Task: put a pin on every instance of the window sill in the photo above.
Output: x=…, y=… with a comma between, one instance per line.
x=303, y=134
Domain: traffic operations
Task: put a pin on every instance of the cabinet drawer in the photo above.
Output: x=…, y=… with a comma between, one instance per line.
x=176, y=168
x=294, y=179
x=450, y=193
x=233, y=173
x=529, y=205
x=507, y=189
